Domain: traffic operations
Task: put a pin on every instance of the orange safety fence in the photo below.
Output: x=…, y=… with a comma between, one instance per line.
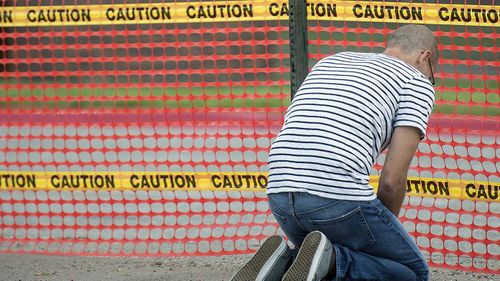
x=143, y=127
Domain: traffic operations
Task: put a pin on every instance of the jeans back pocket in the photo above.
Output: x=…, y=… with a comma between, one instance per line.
x=349, y=229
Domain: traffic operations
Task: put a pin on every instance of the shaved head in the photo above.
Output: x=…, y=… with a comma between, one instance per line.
x=414, y=38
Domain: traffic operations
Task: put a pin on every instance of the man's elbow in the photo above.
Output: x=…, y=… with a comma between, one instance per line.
x=392, y=186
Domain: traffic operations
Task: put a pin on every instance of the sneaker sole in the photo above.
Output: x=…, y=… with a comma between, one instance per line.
x=299, y=271
x=270, y=248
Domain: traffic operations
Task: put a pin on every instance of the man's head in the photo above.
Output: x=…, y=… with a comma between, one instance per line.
x=416, y=45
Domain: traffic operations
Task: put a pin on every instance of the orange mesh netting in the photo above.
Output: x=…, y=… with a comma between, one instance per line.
x=138, y=128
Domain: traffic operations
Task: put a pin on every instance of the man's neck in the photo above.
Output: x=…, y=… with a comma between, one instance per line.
x=396, y=53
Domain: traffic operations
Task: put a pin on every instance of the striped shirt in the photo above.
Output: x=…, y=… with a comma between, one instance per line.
x=341, y=119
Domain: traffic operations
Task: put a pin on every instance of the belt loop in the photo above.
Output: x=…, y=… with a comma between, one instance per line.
x=291, y=202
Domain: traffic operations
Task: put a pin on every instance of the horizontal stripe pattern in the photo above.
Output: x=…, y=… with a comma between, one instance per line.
x=341, y=119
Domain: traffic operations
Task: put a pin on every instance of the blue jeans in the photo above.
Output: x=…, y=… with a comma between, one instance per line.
x=370, y=243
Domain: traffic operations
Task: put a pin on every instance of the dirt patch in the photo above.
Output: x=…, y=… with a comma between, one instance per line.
x=15, y=267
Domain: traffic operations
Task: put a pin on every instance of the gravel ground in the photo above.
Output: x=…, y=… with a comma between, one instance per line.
x=15, y=267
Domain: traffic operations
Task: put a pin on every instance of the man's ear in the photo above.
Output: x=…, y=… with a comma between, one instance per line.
x=424, y=56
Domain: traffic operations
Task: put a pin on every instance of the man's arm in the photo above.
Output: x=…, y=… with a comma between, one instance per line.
x=392, y=182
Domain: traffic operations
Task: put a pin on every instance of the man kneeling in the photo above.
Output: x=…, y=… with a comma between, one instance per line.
x=350, y=108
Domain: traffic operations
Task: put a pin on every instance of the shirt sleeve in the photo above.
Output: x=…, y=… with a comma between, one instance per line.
x=415, y=105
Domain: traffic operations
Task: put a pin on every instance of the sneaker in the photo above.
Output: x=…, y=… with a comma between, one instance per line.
x=269, y=263
x=313, y=261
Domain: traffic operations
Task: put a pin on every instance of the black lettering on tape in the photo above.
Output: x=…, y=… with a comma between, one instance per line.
x=83, y=181
x=481, y=191
x=6, y=17
x=59, y=15
x=18, y=181
x=220, y=11
x=133, y=181
x=239, y=181
x=139, y=13
x=387, y=12
x=428, y=187
x=322, y=9
x=469, y=15
x=162, y=181
x=216, y=181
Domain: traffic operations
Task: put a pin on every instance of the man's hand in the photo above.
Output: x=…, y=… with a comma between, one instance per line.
x=392, y=183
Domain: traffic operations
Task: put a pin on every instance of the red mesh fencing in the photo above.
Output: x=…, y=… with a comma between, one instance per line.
x=139, y=128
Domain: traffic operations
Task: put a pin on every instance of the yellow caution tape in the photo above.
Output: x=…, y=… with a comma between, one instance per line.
x=257, y=182
x=258, y=10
